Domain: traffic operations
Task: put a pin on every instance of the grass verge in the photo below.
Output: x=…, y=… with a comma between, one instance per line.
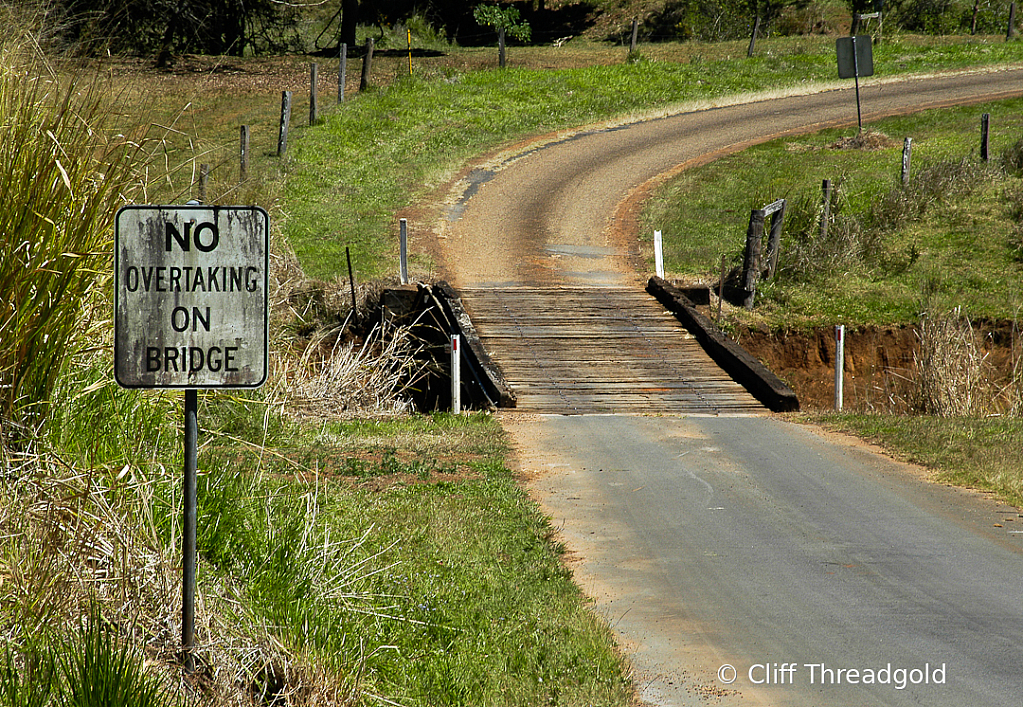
x=947, y=240
x=979, y=453
x=347, y=561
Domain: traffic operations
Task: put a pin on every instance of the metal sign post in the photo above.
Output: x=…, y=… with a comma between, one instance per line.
x=855, y=59
x=190, y=312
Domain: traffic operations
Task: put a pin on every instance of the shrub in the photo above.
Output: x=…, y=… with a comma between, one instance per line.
x=62, y=177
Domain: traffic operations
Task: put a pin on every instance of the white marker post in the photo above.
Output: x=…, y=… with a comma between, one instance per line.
x=658, y=255
x=456, y=375
x=839, y=365
x=403, y=251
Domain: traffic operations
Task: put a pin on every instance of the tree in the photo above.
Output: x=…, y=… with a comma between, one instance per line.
x=503, y=18
x=166, y=27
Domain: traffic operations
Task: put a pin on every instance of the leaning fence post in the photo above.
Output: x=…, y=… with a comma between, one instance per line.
x=985, y=131
x=751, y=256
x=313, y=91
x=753, y=37
x=367, y=63
x=907, y=156
x=1011, y=32
x=243, y=172
x=342, y=72
x=774, y=238
x=282, y=136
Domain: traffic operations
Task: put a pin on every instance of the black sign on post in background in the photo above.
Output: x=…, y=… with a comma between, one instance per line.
x=855, y=59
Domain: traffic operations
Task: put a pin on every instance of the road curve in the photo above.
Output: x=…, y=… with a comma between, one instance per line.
x=534, y=207
x=742, y=559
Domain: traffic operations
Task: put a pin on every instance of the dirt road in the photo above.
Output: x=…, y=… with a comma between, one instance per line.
x=742, y=559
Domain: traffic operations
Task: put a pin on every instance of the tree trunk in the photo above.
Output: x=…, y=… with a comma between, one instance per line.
x=349, y=22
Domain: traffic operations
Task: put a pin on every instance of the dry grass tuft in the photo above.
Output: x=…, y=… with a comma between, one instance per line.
x=949, y=366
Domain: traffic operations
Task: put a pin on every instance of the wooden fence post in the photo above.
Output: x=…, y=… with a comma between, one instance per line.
x=313, y=91
x=342, y=72
x=282, y=135
x=1011, y=32
x=985, y=132
x=367, y=65
x=243, y=172
x=907, y=157
x=777, y=212
x=635, y=35
x=502, y=60
x=751, y=256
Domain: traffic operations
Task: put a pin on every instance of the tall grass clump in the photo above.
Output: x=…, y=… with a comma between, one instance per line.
x=62, y=177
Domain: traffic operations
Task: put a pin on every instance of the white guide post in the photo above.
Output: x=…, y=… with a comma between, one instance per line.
x=839, y=364
x=658, y=254
x=456, y=375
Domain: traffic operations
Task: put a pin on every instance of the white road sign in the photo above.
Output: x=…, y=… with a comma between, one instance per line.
x=190, y=300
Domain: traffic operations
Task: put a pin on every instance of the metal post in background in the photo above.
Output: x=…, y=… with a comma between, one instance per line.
x=456, y=375
x=856, y=77
x=243, y=172
x=839, y=365
x=188, y=530
x=658, y=254
x=342, y=72
x=403, y=251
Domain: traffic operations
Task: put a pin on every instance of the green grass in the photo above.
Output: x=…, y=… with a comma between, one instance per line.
x=391, y=557
x=961, y=252
x=457, y=596
x=975, y=453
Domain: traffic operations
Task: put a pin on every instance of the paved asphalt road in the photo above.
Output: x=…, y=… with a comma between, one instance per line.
x=744, y=560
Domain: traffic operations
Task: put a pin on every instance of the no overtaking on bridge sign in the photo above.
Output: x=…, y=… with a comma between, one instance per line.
x=190, y=305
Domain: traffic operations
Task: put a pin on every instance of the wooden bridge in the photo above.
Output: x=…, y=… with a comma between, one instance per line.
x=586, y=350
